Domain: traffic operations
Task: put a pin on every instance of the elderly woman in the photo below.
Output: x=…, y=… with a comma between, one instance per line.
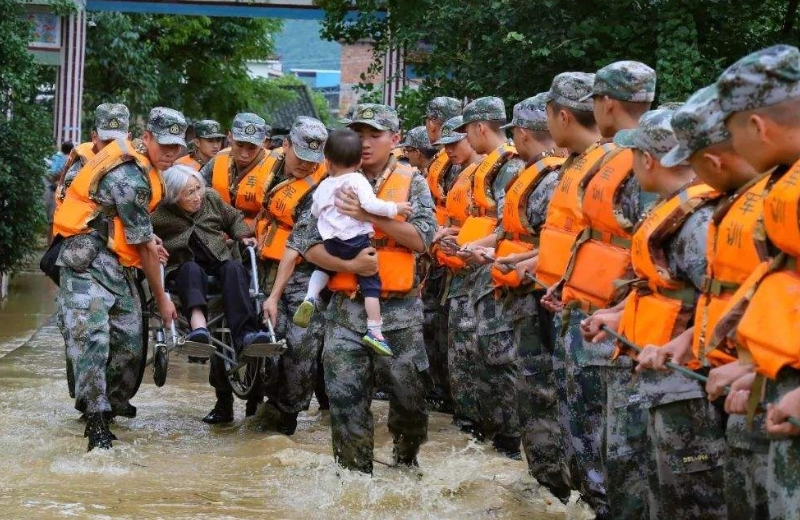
x=193, y=223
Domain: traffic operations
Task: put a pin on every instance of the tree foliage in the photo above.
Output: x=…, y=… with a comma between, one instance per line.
x=25, y=130
x=195, y=64
x=513, y=48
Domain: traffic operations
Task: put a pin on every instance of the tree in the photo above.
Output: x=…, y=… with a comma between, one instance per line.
x=513, y=48
x=195, y=64
x=25, y=130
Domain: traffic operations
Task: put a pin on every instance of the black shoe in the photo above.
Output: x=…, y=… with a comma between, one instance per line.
x=219, y=415
x=255, y=337
x=109, y=419
x=126, y=410
x=97, y=431
x=251, y=407
x=199, y=335
x=288, y=423
x=508, y=446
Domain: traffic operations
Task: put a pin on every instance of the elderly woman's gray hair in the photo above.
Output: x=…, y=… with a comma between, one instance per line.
x=176, y=178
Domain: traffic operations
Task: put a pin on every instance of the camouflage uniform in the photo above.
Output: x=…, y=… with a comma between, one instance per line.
x=99, y=309
x=246, y=128
x=686, y=432
x=761, y=79
x=417, y=137
x=291, y=378
x=351, y=369
x=205, y=129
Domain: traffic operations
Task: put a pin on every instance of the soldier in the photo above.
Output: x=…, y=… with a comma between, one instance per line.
x=708, y=148
x=524, y=213
x=496, y=351
x=100, y=311
x=438, y=111
x=760, y=96
x=418, y=149
x=207, y=143
x=351, y=368
x=669, y=258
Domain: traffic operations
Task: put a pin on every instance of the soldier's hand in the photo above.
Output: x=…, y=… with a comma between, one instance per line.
x=723, y=376
x=550, y=302
x=445, y=232
x=648, y=359
x=366, y=262
x=404, y=208
x=270, y=308
x=163, y=254
x=778, y=413
x=250, y=241
x=738, y=398
x=591, y=327
x=167, y=310
x=348, y=204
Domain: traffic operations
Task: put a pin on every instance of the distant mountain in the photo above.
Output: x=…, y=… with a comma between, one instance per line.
x=300, y=46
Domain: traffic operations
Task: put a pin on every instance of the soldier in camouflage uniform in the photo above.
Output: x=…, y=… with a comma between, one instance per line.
x=685, y=431
x=496, y=350
x=438, y=111
x=207, y=141
x=99, y=308
x=537, y=403
x=350, y=368
x=760, y=96
x=418, y=149
x=247, y=149
x=292, y=377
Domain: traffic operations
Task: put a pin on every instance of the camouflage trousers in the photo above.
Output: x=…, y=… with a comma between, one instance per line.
x=537, y=406
x=687, y=446
x=434, y=330
x=291, y=377
x=581, y=399
x=783, y=469
x=351, y=370
x=746, y=469
x=462, y=358
x=104, y=340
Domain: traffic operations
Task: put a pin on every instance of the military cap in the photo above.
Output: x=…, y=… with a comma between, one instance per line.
x=208, y=129
x=671, y=105
x=653, y=134
x=167, y=125
x=760, y=79
x=443, y=108
x=379, y=117
x=572, y=90
x=249, y=128
x=484, y=109
x=625, y=81
x=449, y=134
x=111, y=121
x=417, y=137
x=308, y=137
x=530, y=113
x=698, y=124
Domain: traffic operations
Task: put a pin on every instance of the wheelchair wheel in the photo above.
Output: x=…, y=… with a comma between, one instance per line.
x=160, y=365
x=143, y=300
x=70, y=379
x=246, y=377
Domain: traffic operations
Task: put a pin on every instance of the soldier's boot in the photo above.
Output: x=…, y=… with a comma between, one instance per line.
x=126, y=410
x=508, y=446
x=107, y=416
x=98, y=432
x=287, y=424
x=251, y=407
x=222, y=413
x=405, y=451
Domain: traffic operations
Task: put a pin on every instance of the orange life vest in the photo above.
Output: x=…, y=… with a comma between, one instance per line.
x=191, y=162
x=770, y=297
x=83, y=153
x=80, y=207
x=250, y=189
x=660, y=307
x=440, y=164
x=275, y=222
x=520, y=236
x=396, y=263
x=459, y=206
x=565, y=220
x=602, y=253
x=735, y=248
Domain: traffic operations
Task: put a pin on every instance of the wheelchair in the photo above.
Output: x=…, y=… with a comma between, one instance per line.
x=245, y=369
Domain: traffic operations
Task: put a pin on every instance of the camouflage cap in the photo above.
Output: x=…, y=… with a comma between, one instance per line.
x=653, y=134
x=449, y=134
x=572, y=90
x=698, y=124
x=380, y=117
x=760, y=79
x=484, y=109
x=111, y=121
x=443, y=108
x=308, y=137
x=249, y=128
x=671, y=105
x=167, y=125
x=530, y=113
x=625, y=81
x=208, y=129
x=417, y=137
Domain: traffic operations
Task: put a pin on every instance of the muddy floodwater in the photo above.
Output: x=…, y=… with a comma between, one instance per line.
x=169, y=464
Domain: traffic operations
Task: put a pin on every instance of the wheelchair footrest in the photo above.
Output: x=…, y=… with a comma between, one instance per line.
x=199, y=350
x=265, y=349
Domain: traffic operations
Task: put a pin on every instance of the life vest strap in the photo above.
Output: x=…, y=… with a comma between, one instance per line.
x=528, y=239
x=603, y=236
x=718, y=287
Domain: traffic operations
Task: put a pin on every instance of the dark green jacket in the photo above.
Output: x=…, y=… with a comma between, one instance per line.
x=211, y=223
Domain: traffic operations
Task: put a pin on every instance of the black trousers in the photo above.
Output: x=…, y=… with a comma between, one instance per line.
x=191, y=286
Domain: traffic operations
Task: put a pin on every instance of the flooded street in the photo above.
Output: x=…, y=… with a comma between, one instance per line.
x=169, y=464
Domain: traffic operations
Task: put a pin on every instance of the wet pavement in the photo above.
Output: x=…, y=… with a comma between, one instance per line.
x=169, y=464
